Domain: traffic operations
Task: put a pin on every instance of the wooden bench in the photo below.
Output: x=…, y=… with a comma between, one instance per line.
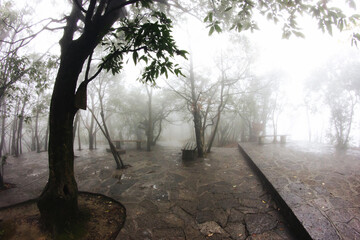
x=188, y=151
x=138, y=143
x=282, y=138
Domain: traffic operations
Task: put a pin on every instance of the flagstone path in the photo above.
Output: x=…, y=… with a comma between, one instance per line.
x=218, y=197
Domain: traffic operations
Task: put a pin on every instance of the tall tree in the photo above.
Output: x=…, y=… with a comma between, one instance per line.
x=149, y=40
x=87, y=25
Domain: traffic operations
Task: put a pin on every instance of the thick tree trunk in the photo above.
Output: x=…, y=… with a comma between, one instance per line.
x=58, y=203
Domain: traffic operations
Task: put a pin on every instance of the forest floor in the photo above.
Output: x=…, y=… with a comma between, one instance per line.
x=217, y=197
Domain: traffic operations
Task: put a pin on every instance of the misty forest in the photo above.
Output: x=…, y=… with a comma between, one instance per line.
x=88, y=80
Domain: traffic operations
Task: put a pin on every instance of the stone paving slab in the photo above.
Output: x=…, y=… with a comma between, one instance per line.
x=319, y=184
x=218, y=197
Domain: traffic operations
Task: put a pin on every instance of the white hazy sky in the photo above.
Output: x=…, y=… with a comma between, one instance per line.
x=296, y=57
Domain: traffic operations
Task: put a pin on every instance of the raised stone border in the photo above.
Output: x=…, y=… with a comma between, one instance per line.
x=294, y=223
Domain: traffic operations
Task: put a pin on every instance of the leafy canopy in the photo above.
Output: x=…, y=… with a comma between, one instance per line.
x=239, y=15
x=149, y=40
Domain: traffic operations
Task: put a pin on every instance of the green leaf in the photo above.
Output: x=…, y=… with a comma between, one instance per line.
x=211, y=31
x=298, y=34
x=328, y=27
x=341, y=24
x=286, y=34
x=210, y=16
x=217, y=28
x=228, y=9
x=135, y=57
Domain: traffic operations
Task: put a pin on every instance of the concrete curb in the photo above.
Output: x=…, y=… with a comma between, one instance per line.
x=295, y=224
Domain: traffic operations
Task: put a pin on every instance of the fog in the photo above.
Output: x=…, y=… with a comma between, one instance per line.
x=259, y=83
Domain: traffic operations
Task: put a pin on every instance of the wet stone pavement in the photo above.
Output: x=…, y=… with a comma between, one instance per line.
x=218, y=197
x=319, y=184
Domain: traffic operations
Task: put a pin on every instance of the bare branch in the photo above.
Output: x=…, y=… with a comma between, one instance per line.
x=79, y=6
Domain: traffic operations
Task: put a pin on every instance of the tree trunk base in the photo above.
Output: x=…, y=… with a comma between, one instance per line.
x=58, y=208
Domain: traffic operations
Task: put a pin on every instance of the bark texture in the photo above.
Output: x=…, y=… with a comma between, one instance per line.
x=58, y=202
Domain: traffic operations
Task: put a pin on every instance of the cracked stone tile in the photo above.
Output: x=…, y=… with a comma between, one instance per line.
x=260, y=223
x=168, y=234
x=236, y=230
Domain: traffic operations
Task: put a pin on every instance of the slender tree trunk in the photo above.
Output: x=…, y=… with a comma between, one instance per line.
x=13, y=138
x=199, y=132
x=117, y=158
x=37, y=130
x=149, y=130
x=46, y=137
x=213, y=134
x=75, y=125
x=91, y=133
x=78, y=133
x=3, y=118
x=95, y=139
x=2, y=163
x=159, y=133
x=33, y=145
x=218, y=116
x=19, y=136
x=20, y=127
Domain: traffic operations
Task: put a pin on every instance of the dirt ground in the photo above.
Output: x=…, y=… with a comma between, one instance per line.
x=100, y=218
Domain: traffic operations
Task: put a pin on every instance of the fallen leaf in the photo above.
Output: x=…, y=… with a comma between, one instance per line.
x=263, y=201
x=210, y=234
